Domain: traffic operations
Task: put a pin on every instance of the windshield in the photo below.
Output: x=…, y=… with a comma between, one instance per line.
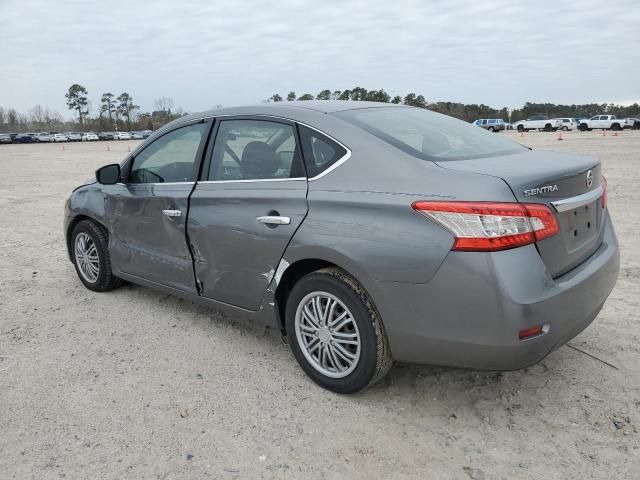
x=428, y=135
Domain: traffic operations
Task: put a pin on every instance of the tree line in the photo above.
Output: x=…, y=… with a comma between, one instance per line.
x=121, y=113
x=113, y=113
x=470, y=112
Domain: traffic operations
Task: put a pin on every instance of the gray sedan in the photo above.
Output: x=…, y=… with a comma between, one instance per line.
x=367, y=233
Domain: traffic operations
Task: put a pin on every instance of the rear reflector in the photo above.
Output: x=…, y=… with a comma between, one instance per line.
x=533, y=332
x=488, y=226
x=603, y=182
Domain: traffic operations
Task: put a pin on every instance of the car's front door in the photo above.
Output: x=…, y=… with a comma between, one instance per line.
x=148, y=238
x=244, y=212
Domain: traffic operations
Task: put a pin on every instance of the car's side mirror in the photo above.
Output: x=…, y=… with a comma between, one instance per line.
x=109, y=174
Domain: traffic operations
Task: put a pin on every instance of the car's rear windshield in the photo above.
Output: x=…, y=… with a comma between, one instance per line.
x=428, y=135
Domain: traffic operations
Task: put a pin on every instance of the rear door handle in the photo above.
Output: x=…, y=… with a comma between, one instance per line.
x=274, y=220
x=172, y=213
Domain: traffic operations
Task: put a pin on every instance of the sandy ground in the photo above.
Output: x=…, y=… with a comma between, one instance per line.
x=136, y=384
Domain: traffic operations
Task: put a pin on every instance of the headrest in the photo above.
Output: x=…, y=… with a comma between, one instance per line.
x=258, y=161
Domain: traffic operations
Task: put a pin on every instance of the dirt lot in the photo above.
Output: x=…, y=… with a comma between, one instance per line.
x=136, y=384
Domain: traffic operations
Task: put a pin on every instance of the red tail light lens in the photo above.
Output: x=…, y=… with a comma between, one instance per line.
x=533, y=332
x=487, y=226
x=603, y=182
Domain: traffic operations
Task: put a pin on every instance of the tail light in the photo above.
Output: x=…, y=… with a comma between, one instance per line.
x=487, y=226
x=603, y=182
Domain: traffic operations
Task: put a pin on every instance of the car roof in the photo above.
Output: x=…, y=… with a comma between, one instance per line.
x=293, y=109
x=305, y=111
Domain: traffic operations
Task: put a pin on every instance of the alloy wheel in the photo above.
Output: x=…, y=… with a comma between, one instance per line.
x=327, y=334
x=86, y=255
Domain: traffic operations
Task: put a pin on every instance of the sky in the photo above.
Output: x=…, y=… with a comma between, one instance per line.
x=208, y=53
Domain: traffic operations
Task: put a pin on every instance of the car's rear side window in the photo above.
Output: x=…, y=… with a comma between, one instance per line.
x=319, y=151
x=255, y=150
x=428, y=135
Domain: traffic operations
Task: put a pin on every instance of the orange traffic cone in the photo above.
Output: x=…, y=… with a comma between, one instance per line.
x=615, y=134
x=522, y=133
x=560, y=136
x=604, y=133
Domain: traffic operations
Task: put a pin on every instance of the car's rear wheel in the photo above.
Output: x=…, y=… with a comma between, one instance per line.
x=616, y=127
x=565, y=128
x=548, y=128
x=90, y=254
x=491, y=129
x=335, y=332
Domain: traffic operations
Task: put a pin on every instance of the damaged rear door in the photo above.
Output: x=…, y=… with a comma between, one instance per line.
x=250, y=200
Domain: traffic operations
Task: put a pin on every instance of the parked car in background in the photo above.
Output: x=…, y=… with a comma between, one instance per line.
x=43, y=137
x=567, y=123
x=60, y=137
x=146, y=133
x=472, y=251
x=90, y=137
x=605, y=122
x=491, y=124
x=5, y=138
x=540, y=123
x=74, y=137
x=636, y=123
x=25, y=138
x=121, y=136
x=136, y=135
x=106, y=135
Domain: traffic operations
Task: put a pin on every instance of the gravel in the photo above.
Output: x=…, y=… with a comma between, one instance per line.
x=137, y=384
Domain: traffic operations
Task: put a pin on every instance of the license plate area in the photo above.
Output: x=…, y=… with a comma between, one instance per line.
x=580, y=226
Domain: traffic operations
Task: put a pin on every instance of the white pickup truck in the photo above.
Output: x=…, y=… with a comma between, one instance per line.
x=539, y=123
x=605, y=122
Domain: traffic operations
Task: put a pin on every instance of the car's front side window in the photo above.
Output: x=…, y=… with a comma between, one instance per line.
x=254, y=150
x=170, y=158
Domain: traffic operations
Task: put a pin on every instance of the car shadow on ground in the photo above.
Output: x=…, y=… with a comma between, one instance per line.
x=411, y=382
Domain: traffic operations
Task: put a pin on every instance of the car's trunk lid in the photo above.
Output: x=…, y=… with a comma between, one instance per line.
x=569, y=184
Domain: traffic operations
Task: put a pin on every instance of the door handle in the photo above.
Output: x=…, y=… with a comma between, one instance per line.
x=172, y=213
x=274, y=220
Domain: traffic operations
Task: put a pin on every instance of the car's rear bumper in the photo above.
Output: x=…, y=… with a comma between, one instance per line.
x=470, y=313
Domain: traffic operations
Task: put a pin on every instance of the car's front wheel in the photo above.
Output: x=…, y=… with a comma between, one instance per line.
x=335, y=332
x=89, y=249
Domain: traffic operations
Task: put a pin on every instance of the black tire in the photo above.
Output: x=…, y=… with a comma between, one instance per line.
x=491, y=129
x=520, y=128
x=547, y=128
x=375, y=357
x=616, y=127
x=583, y=127
x=565, y=128
x=106, y=280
